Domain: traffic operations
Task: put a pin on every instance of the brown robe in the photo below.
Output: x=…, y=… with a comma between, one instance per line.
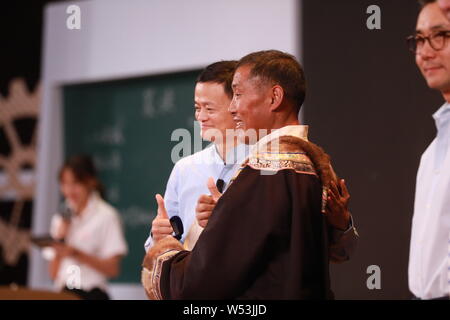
x=266, y=238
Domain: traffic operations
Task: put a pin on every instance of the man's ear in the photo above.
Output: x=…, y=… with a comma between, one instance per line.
x=277, y=97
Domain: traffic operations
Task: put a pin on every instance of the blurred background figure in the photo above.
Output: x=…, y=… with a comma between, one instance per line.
x=91, y=241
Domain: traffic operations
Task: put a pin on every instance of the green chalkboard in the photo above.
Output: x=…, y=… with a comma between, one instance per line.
x=127, y=126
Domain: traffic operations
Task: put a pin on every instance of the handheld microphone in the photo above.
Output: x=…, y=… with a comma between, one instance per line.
x=177, y=226
x=66, y=212
x=220, y=184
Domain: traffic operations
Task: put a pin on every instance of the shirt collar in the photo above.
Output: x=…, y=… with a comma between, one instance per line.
x=298, y=131
x=89, y=209
x=235, y=155
x=442, y=114
x=442, y=111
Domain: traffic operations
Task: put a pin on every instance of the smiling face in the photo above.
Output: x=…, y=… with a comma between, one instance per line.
x=251, y=101
x=75, y=192
x=211, y=110
x=434, y=64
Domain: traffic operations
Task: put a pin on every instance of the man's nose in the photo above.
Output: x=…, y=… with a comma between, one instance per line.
x=426, y=51
x=202, y=116
x=232, y=107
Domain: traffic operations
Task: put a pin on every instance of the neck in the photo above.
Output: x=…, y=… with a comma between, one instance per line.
x=82, y=206
x=288, y=120
x=446, y=95
x=224, y=148
x=80, y=209
x=280, y=122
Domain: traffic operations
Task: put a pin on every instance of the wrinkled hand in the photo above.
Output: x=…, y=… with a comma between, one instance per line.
x=206, y=203
x=161, y=226
x=337, y=212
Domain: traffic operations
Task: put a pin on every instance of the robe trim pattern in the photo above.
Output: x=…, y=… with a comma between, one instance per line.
x=162, y=251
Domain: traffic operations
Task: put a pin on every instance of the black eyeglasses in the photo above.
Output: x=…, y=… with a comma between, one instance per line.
x=436, y=40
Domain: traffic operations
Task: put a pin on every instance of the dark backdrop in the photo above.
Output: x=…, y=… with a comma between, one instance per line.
x=369, y=107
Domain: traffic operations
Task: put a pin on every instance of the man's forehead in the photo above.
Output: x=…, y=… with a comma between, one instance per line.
x=209, y=87
x=200, y=95
x=242, y=75
x=431, y=18
x=198, y=99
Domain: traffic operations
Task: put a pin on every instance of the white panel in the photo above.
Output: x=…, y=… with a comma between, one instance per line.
x=129, y=38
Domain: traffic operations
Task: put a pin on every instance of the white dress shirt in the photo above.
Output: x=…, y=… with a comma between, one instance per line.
x=429, y=256
x=188, y=181
x=96, y=231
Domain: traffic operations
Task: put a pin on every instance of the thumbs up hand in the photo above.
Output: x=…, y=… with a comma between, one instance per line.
x=161, y=208
x=206, y=203
x=161, y=226
x=213, y=189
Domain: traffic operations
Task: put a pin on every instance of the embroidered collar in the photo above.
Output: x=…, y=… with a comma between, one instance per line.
x=298, y=131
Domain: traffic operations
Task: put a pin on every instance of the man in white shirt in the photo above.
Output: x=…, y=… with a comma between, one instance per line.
x=429, y=250
x=188, y=180
x=219, y=160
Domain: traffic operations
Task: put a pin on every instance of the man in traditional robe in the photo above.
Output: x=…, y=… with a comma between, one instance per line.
x=188, y=183
x=267, y=235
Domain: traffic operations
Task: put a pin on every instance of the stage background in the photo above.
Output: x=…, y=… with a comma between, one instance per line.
x=367, y=103
x=120, y=41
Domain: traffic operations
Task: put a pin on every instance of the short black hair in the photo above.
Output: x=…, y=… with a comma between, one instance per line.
x=220, y=72
x=279, y=68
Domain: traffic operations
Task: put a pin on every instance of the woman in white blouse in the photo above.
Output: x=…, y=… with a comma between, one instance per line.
x=92, y=241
